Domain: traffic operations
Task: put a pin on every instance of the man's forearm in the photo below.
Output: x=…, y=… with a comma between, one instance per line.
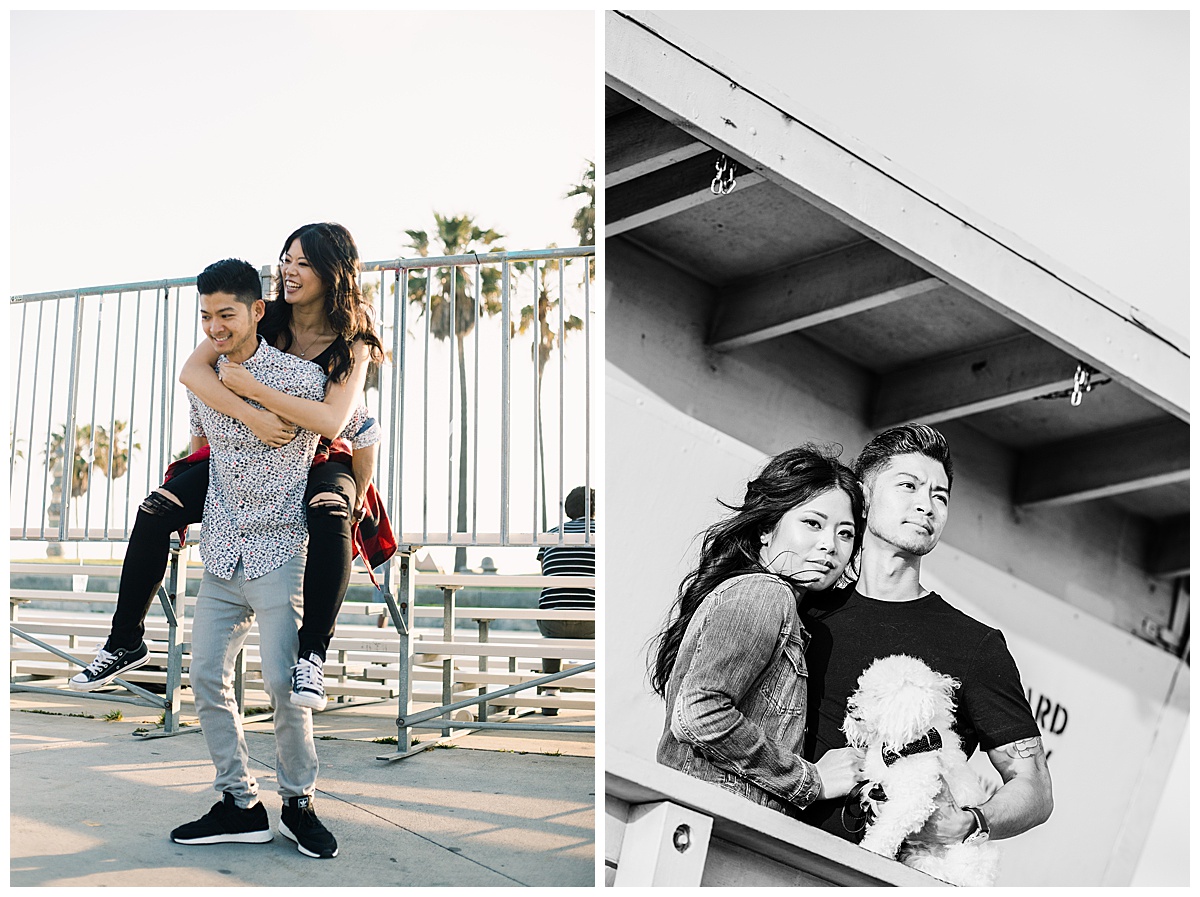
x=1026, y=797
x=208, y=388
x=1017, y=807
x=1022, y=802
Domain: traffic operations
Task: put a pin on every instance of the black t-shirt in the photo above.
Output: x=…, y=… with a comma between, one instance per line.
x=991, y=709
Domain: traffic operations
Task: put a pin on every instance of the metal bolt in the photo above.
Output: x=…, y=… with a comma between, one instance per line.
x=682, y=839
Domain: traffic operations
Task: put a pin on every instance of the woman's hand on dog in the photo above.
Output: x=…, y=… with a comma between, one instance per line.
x=840, y=770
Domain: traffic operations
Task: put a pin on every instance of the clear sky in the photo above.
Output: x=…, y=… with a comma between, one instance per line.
x=146, y=144
x=1068, y=129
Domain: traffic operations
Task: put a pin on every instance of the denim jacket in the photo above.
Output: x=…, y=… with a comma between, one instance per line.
x=737, y=698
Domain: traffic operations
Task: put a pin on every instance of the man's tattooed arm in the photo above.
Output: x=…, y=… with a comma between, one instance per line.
x=1025, y=749
x=1026, y=798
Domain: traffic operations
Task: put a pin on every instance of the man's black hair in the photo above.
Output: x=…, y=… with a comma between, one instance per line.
x=233, y=276
x=574, y=503
x=910, y=439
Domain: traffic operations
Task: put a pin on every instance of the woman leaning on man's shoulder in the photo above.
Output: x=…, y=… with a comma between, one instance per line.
x=730, y=661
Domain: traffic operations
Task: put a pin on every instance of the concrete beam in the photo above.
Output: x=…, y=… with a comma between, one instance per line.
x=679, y=80
x=832, y=286
x=666, y=192
x=638, y=142
x=979, y=379
x=1105, y=465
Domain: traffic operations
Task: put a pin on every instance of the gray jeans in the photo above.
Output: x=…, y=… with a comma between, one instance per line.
x=224, y=611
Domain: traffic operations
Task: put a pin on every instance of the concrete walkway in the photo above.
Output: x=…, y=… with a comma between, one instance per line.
x=92, y=805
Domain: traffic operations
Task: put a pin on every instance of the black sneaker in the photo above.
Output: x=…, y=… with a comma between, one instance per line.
x=108, y=665
x=227, y=823
x=299, y=822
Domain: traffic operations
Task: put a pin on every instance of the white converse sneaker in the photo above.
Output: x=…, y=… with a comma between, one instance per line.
x=308, y=683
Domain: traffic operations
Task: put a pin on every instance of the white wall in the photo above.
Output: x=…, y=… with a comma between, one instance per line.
x=1105, y=725
x=791, y=390
x=661, y=497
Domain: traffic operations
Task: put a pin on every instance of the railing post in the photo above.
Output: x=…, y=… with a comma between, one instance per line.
x=663, y=845
x=448, y=593
x=175, y=615
x=505, y=397
x=164, y=399
x=68, y=446
x=401, y=609
x=483, y=668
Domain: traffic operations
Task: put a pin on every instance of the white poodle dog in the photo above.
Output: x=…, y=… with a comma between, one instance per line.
x=902, y=717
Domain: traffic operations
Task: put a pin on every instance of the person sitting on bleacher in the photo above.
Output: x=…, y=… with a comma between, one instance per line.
x=569, y=560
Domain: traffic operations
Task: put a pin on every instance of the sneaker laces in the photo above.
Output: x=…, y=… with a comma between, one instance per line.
x=103, y=658
x=308, y=676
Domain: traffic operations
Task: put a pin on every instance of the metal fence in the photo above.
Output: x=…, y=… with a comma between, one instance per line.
x=488, y=364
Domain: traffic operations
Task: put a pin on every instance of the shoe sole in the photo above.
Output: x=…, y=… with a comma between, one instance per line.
x=259, y=837
x=100, y=683
x=287, y=833
x=308, y=701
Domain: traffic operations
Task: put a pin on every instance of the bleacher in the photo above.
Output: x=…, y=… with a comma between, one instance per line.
x=446, y=664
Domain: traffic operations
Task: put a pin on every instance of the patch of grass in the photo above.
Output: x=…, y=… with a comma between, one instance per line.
x=444, y=746
x=140, y=730
x=52, y=713
x=256, y=711
x=390, y=739
x=114, y=716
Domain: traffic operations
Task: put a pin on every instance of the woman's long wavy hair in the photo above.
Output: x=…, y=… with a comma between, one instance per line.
x=331, y=251
x=733, y=545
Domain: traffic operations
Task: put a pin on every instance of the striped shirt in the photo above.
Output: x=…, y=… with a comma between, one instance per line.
x=569, y=560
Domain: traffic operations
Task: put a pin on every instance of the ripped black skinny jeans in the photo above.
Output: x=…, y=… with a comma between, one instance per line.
x=326, y=572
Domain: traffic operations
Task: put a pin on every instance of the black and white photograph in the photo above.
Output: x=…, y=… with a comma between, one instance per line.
x=897, y=425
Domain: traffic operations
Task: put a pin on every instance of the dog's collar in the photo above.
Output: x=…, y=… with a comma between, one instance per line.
x=930, y=741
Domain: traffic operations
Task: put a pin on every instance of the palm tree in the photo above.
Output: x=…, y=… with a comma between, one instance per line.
x=584, y=223
x=113, y=459
x=109, y=455
x=543, y=346
x=457, y=236
x=82, y=458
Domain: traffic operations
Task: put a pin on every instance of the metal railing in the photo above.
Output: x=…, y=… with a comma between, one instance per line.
x=102, y=363
x=667, y=829
x=93, y=374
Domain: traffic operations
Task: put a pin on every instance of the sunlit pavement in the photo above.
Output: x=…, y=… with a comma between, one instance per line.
x=92, y=805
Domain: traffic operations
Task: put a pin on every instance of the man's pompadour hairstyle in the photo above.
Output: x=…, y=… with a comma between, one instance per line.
x=909, y=439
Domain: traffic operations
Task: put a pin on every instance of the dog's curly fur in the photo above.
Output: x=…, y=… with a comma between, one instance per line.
x=898, y=700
